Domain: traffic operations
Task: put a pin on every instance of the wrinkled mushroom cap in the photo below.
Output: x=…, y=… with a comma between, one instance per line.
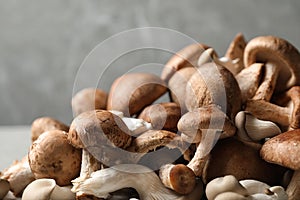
x=98, y=127
x=283, y=149
x=88, y=99
x=132, y=92
x=214, y=84
x=52, y=156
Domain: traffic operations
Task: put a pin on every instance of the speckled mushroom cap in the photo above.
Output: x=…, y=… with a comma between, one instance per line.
x=214, y=84
x=277, y=51
x=52, y=156
x=98, y=127
x=132, y=92
x=283, y=149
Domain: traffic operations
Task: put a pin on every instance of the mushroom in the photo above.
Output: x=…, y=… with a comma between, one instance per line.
x=47, y=160
x=177, y=86
x=101, y=135
x=205, y=126
x=282, y=55
x=88, y=99
x=142, y=179
x=179, y=178
x=47, y=189
x=4, y=188
x=186, y=57
x=231, y=156
x=43, y=124
x=251, y=129
x=284, y=150
x=284, y=116
x=220, y=185
x=214, y=84
x=130, y=93
x=162, y=116
x=19, y=175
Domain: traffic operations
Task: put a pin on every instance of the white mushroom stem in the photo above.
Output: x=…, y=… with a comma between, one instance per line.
x=252, y=129
x=142, y=179
x=293, y=189
x=47, y=189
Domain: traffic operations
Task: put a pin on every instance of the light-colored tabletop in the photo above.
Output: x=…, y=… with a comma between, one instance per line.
x=14, y=144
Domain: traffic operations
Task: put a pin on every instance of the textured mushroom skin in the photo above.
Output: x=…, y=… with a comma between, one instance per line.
x=230, y=156
x=214, y=84
x=97, y=127
x=283, y=149
x=52, y=156
x=43, y=124
x=130, y=93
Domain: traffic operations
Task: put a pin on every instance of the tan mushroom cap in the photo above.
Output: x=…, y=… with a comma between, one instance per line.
x=98, y=127
x=193, y=123
x=283, y=149
x=52, y=156
x=88, y=99
x=214, y=84
x=277, y=51
x=186, y=57
x=43, y=124
x=132, y=92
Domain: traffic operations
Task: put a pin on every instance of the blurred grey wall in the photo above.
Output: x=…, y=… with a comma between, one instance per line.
x=43, y=43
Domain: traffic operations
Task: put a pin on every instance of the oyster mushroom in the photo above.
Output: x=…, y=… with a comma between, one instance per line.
x=186, y=57
x=205, y=126
x=47, y=160
x=130, y=93
x=4, y=188
x=47, y=189
x=284, y=150
x=43, y=124
x=88, y=99
x=142, y=179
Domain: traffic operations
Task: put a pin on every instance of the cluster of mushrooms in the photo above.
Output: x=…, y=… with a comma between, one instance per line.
x=231, y=130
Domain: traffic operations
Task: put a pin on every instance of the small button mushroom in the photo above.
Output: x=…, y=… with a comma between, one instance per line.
x=43, y=124
x=186, y=57
x=145, y=181
x=130, y=93
x=284, y=150
x=207, y=124
x=47, y=189
x=231, y=156
x=220, y=185
x=162, y=116
x=4, y=188
x=282, y=54
x=214, y=84
x=178, y=177
x=177, y=86
x=47, y=160
x=251, y=129
x=19, y=175
x=88, y=99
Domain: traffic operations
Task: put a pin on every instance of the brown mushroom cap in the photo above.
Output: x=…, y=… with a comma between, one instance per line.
x=283, y=149
x=277, y=51
x=98, y=127
x=162, y=116
x=231, y=156
x=130, y=93
x=52, y=156
x=88, y=99
x=43, y=124
x=186, y=57
x=214, y=84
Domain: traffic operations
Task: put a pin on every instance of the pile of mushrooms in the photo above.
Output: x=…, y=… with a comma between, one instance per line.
x=230, y=130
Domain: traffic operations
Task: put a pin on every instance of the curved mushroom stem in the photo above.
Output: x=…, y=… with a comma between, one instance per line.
x=293, y=189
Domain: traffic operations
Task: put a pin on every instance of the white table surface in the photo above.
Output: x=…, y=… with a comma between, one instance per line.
x=14, y=144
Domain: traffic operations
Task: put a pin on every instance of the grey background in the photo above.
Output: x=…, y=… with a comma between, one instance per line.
x=43, y=43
